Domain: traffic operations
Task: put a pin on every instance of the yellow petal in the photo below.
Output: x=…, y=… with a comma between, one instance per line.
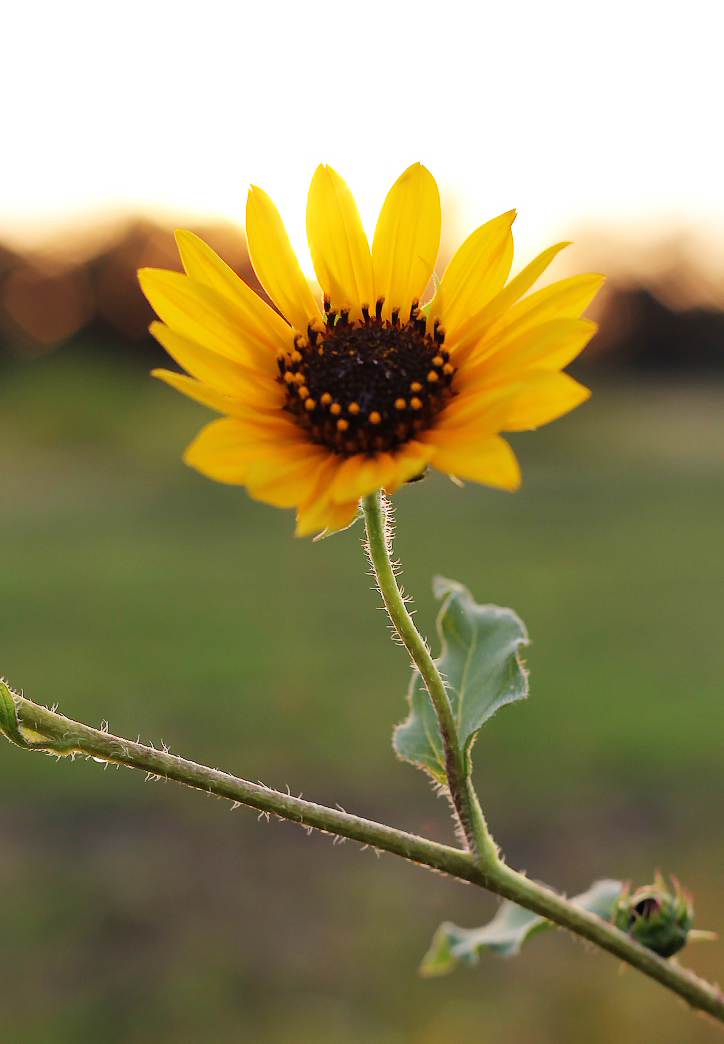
x=272, y=424
x=407, y=240
x=278, y=473
x=545, y=397
x=484, y=408
x=566, y=299
x=359, y=475
x=409, y=462
x=221, y=324
x=222, y=451
x=389, y=468
x=284, y=475
x=352, y=478
x=312, y=519
x=219, y=372
x=550, y=346
x=275, y=263
x=196, y=391
x=338, y=517
x=202, y=264
x=314, y=513
x=476, y=273
x=492, y=462
x=338, y=244
x=469, y=335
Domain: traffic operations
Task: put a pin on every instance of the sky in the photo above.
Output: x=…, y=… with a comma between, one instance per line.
x=579, y=115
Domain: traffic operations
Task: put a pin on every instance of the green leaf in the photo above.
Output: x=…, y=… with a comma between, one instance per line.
x=507, y=931
x=481, y=666
x=8, y=716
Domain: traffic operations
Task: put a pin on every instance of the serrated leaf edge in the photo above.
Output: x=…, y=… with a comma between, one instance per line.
x=446, y=589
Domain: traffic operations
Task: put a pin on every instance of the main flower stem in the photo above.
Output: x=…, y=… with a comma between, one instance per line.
x=36, y=728
x=462, y=795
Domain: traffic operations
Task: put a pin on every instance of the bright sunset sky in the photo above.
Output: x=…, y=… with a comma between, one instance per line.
x=577, y=114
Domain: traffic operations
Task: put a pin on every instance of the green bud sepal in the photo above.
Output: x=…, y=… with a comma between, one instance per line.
x=657, y=918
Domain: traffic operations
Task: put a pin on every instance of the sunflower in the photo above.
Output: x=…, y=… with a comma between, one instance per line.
x=324, y=406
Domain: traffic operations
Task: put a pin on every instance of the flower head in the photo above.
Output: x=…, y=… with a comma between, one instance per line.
x=655, y=917
x=324, y=406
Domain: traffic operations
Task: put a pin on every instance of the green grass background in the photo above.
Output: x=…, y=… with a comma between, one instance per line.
x=134, y=591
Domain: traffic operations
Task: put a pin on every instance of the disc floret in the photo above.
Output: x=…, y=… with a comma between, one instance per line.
x=370, y=385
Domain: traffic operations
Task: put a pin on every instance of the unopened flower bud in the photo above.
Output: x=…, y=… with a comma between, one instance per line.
x=655, y=917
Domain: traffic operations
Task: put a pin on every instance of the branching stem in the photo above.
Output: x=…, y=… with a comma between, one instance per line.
x=38, y=728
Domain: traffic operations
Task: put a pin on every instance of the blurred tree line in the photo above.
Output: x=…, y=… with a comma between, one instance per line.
x=88, y=294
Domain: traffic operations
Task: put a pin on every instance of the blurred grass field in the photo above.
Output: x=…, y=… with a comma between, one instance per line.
x=134, y=591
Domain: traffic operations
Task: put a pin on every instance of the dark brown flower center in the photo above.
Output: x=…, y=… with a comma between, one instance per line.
x=367, y=386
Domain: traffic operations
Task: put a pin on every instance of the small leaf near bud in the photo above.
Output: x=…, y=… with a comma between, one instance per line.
x=659, y=919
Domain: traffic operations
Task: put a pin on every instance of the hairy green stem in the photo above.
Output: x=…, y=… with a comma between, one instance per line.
x=37, y=728
x=463, y=796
